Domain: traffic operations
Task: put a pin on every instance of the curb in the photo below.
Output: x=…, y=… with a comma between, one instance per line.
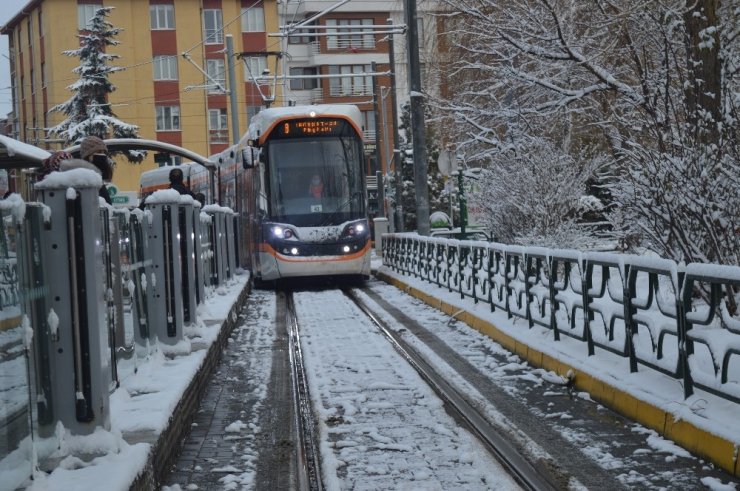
x=717, y=450
x=167, y=447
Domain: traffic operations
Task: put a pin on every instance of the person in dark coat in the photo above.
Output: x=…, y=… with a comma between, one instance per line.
x=176, y=182
x=94, y=150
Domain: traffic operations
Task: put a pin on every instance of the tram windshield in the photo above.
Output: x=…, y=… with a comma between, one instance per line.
x=316, y=182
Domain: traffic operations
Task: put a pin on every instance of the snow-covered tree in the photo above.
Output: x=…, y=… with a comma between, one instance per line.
x=536, y=197
x=650, y=88
x=89, y=111
x=438, y=196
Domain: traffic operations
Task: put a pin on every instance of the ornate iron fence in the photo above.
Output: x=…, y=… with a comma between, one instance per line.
x=680, y=320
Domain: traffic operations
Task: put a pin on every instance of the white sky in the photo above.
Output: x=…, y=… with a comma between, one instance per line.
x=10, y=8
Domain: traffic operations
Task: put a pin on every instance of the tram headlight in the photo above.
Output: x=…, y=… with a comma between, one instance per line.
x=346, y=248
x=282, y=232
x=356, y=229
x=294, y=251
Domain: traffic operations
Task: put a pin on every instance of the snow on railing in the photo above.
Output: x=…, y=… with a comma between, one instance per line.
x=682, y=321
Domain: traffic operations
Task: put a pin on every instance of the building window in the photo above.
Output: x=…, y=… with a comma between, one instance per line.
x=349, y=37
x=41, y=24
x=165, y=67
x=368, y=123
x=217, y=119
x=33, y=84
x=255, y=66
x=217, y=124
x=85, y=14
x=213, y=26
x=253, y=19
x=30, y=33
x=349, y=85
x=306, y=36
x=168, y=118
x=304, y=83
x=162, y=16
x=217, y=74
x=43, y=75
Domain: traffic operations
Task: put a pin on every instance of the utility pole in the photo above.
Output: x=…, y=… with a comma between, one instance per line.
x=232, y=90
x=417, y=122
x=397, y=160
x=378, y=164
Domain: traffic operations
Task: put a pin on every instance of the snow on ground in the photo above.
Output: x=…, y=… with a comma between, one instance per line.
x=248, y=364
x=380, y=426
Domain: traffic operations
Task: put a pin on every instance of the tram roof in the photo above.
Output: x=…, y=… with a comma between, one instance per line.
x=265, y=119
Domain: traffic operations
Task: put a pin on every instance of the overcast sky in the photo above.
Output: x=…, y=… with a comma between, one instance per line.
x=7, y=12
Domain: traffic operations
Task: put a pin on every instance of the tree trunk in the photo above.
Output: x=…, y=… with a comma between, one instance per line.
x=703, y=90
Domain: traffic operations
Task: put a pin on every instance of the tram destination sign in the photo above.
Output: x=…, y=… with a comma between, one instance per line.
x=298, y=128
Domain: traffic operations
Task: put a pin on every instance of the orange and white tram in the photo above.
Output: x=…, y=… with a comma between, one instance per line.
x=307, y=209
x=296, y=182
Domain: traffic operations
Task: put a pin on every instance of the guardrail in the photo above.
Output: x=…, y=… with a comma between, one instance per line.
x=87, y=292
x=682, y=321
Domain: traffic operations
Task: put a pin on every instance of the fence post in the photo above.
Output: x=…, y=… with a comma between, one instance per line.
x=684, y=325
x=629, y=281
x=381, y=227
x=166, y=278
x=186, y=234
x=79, y=360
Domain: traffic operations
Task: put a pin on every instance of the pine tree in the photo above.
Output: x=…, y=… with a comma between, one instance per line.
x=88, y=111
x=438, y=197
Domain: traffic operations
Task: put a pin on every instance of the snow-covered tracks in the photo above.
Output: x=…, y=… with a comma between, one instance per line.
x=307, y=454
x=379, y=425
x=520, y=468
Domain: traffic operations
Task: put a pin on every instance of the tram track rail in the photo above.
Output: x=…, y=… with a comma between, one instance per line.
x=308, y=462
x=525, y=474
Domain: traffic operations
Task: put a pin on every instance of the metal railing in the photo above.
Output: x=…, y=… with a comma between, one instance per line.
x=131, y=283
x=682, y=321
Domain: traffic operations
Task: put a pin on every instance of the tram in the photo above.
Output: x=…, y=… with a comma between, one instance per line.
x=296, y=183
x=307, y=203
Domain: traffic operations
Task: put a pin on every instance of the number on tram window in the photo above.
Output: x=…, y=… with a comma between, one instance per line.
x=286, y=128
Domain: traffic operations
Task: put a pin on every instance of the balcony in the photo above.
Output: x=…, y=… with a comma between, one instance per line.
x=353, y=91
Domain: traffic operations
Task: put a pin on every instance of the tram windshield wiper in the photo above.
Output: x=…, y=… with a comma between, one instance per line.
x=339, y=209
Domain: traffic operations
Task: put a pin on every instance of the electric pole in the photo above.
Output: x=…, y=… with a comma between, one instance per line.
x=417, y=122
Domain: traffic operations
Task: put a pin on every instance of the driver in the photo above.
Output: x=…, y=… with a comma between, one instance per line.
x=316, y=188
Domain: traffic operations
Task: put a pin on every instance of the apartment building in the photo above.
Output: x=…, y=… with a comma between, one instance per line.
x=175, y=69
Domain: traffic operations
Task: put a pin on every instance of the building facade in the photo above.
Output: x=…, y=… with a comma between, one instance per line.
x=175, y=69
x=175, y=78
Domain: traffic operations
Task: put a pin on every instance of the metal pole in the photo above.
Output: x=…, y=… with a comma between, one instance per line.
x=386, y=153
x=417, y=122
x=463, y=204
x=378, y=164
x=232, y=89
x=397, y=160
